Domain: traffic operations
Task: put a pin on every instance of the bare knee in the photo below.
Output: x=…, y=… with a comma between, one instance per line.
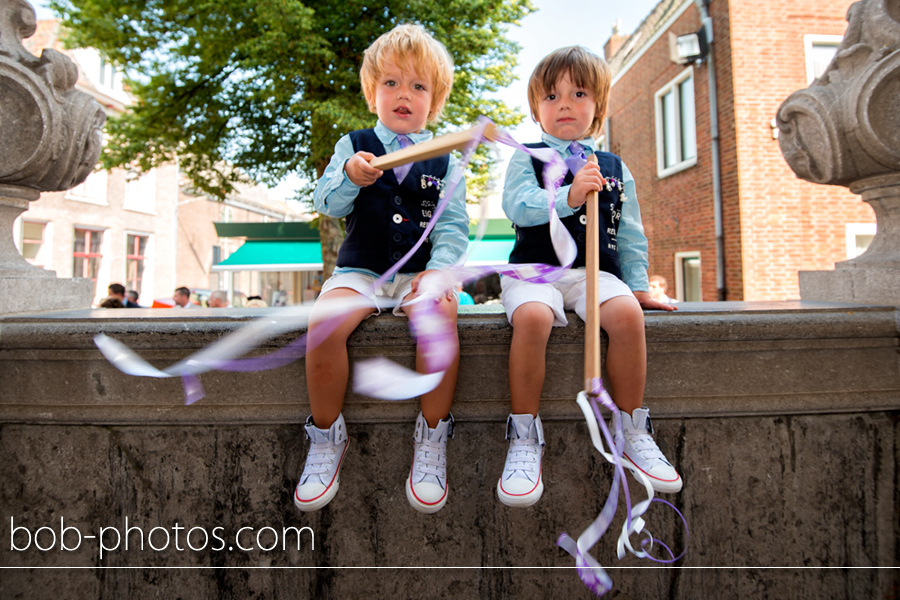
x=532, y=320
x=622, y=316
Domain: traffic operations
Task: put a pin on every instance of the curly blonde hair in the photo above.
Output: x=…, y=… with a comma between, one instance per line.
x=585, y=69
x=409, y=45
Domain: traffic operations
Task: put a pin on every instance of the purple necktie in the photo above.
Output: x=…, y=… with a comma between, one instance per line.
x=577, y=160
x=401, y=171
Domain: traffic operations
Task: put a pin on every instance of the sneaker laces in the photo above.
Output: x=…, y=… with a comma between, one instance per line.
x=318, y=459
x=522, y=457
x=431, y=458
x=643, y=444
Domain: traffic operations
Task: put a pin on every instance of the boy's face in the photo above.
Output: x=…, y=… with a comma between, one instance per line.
x=402, y=98
x=567, y=111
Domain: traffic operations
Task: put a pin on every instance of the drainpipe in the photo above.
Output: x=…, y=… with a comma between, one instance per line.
x=714, y=134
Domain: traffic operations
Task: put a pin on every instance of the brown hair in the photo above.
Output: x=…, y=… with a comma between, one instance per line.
x=404, y=45
x=585, y=69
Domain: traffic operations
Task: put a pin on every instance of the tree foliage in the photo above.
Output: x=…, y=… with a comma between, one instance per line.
x=264, y=88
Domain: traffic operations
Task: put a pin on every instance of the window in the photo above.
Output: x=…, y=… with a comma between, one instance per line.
x=87, y=255
x=676, y=128
x=857, y=237
x=687, y=277
x=135, y=254
x=92, y=190
x=819, y=51
x=140, y=192
x=32, y=240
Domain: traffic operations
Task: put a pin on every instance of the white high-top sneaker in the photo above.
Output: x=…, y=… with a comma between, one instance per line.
x=321, y=474
x=426, y=486
x=522, y=483
x=642, y=454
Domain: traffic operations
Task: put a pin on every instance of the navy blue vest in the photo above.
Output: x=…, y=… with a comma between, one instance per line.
x=389, y=218
x=533, y=244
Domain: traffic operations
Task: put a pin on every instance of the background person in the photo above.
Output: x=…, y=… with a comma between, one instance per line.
x=658, y=288
x=218, y=299
x=182, y=298
x=117, y=291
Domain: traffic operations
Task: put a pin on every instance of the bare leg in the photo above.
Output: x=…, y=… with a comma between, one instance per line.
x=327, y=364
x=436, y=403
x=626, y=359
x=532, y=323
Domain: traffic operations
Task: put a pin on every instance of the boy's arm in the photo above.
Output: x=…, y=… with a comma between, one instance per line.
x=450, y=235
x=632, y=242
x=524, y=202
x=335, y=193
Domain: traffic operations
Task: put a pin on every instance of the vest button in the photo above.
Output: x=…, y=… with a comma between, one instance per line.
x=398, y=200
x=397, y=255
x=583, y=219
x=397, y=218
x=581, y=238
x=398, y=237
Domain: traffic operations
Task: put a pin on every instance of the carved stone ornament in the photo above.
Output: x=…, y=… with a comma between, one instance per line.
x=50, y=139
x=846, y=125
x=844, y=129
x=51, y=134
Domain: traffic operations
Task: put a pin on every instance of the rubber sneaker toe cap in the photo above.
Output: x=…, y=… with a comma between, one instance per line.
x=314, y=495
x=663, y=476
x=519, y=491
x=425, y=496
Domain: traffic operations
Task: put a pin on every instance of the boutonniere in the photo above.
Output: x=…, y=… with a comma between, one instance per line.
x=615, y=184
x=435, y=182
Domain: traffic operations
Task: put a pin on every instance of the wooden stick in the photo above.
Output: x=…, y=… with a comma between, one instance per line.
x=438, y=146
x=592, y=272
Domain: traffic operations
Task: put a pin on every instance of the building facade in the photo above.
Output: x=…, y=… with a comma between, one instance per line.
x=742, y=226
x=148, y=231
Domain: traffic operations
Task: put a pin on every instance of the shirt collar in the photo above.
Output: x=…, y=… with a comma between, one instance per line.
x=562, y=146
x=388, y=137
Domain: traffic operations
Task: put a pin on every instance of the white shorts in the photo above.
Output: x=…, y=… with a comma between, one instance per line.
x=388, y=295
x=566, y=293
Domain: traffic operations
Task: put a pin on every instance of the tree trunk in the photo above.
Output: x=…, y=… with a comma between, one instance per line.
x=331, y=236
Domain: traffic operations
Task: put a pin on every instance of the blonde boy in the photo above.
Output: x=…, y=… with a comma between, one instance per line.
x=406, y=77
x=568, y=94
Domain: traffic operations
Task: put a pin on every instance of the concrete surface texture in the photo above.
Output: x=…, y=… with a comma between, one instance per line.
x=782, y=418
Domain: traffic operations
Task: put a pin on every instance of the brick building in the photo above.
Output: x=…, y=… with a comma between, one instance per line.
x=660, y=121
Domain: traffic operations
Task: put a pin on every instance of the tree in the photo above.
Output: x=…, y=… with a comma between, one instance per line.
x=261, y=89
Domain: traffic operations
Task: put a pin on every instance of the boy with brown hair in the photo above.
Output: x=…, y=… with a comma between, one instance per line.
x=568, y=94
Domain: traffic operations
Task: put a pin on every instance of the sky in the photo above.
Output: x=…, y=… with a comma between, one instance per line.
x=555, y=23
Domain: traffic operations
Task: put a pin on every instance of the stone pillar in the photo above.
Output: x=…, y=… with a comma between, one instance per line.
x=50, y=139
x=845, y=130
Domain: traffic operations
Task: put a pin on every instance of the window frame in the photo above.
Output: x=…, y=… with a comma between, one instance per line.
x=816, y=39
x=851, y=232
x=137, y=282
x=88, y=255
x=673, y=87
x=679, y=274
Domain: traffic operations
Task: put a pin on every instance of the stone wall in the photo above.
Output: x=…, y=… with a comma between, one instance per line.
x=782, y=418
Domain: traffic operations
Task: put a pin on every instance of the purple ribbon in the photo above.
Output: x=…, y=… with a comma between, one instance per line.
x=438, y=338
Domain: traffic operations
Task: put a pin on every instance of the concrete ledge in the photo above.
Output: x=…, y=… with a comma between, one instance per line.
x=783, y=419
x=716, y=359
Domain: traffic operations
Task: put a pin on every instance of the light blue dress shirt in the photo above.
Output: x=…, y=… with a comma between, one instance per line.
x=526, y=205
x=335, y=194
